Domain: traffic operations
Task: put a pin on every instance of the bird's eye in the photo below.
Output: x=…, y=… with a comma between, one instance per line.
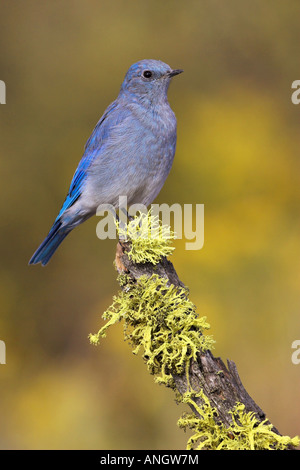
x=147, y=74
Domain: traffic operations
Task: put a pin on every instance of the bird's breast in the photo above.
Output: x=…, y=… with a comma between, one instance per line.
x=136, y=158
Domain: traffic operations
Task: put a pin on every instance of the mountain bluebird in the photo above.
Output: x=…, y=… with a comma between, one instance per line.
x=129, y=153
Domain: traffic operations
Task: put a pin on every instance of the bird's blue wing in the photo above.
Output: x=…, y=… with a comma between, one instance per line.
x=91, y=150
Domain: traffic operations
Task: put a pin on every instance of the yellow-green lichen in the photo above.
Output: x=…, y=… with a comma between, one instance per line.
x=245, y=433
x=150, y=240
x=161, y=322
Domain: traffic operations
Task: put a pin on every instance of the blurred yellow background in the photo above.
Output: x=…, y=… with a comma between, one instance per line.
x=237, y=153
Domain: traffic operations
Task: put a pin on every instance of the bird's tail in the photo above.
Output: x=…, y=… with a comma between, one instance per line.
x=54, y=238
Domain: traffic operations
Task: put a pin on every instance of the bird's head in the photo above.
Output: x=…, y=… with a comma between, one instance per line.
x=149, y=78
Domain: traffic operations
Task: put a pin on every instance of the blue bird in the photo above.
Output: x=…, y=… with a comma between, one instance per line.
x=129, y=153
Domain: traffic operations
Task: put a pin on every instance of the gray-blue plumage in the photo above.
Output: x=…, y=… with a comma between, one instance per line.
x=129, y=153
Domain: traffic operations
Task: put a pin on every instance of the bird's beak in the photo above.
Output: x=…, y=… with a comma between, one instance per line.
x=172, y=73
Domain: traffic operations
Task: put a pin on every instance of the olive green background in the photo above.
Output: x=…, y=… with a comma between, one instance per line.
x=237, y=153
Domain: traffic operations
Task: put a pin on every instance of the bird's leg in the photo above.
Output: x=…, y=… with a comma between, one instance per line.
x=129, y=217
x=119, y=251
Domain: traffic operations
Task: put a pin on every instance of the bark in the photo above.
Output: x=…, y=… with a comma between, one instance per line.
x=220, y=383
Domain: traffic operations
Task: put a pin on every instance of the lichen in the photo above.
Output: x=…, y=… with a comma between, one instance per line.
x=161, y=322
x=246, y=431
x=150, y=240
